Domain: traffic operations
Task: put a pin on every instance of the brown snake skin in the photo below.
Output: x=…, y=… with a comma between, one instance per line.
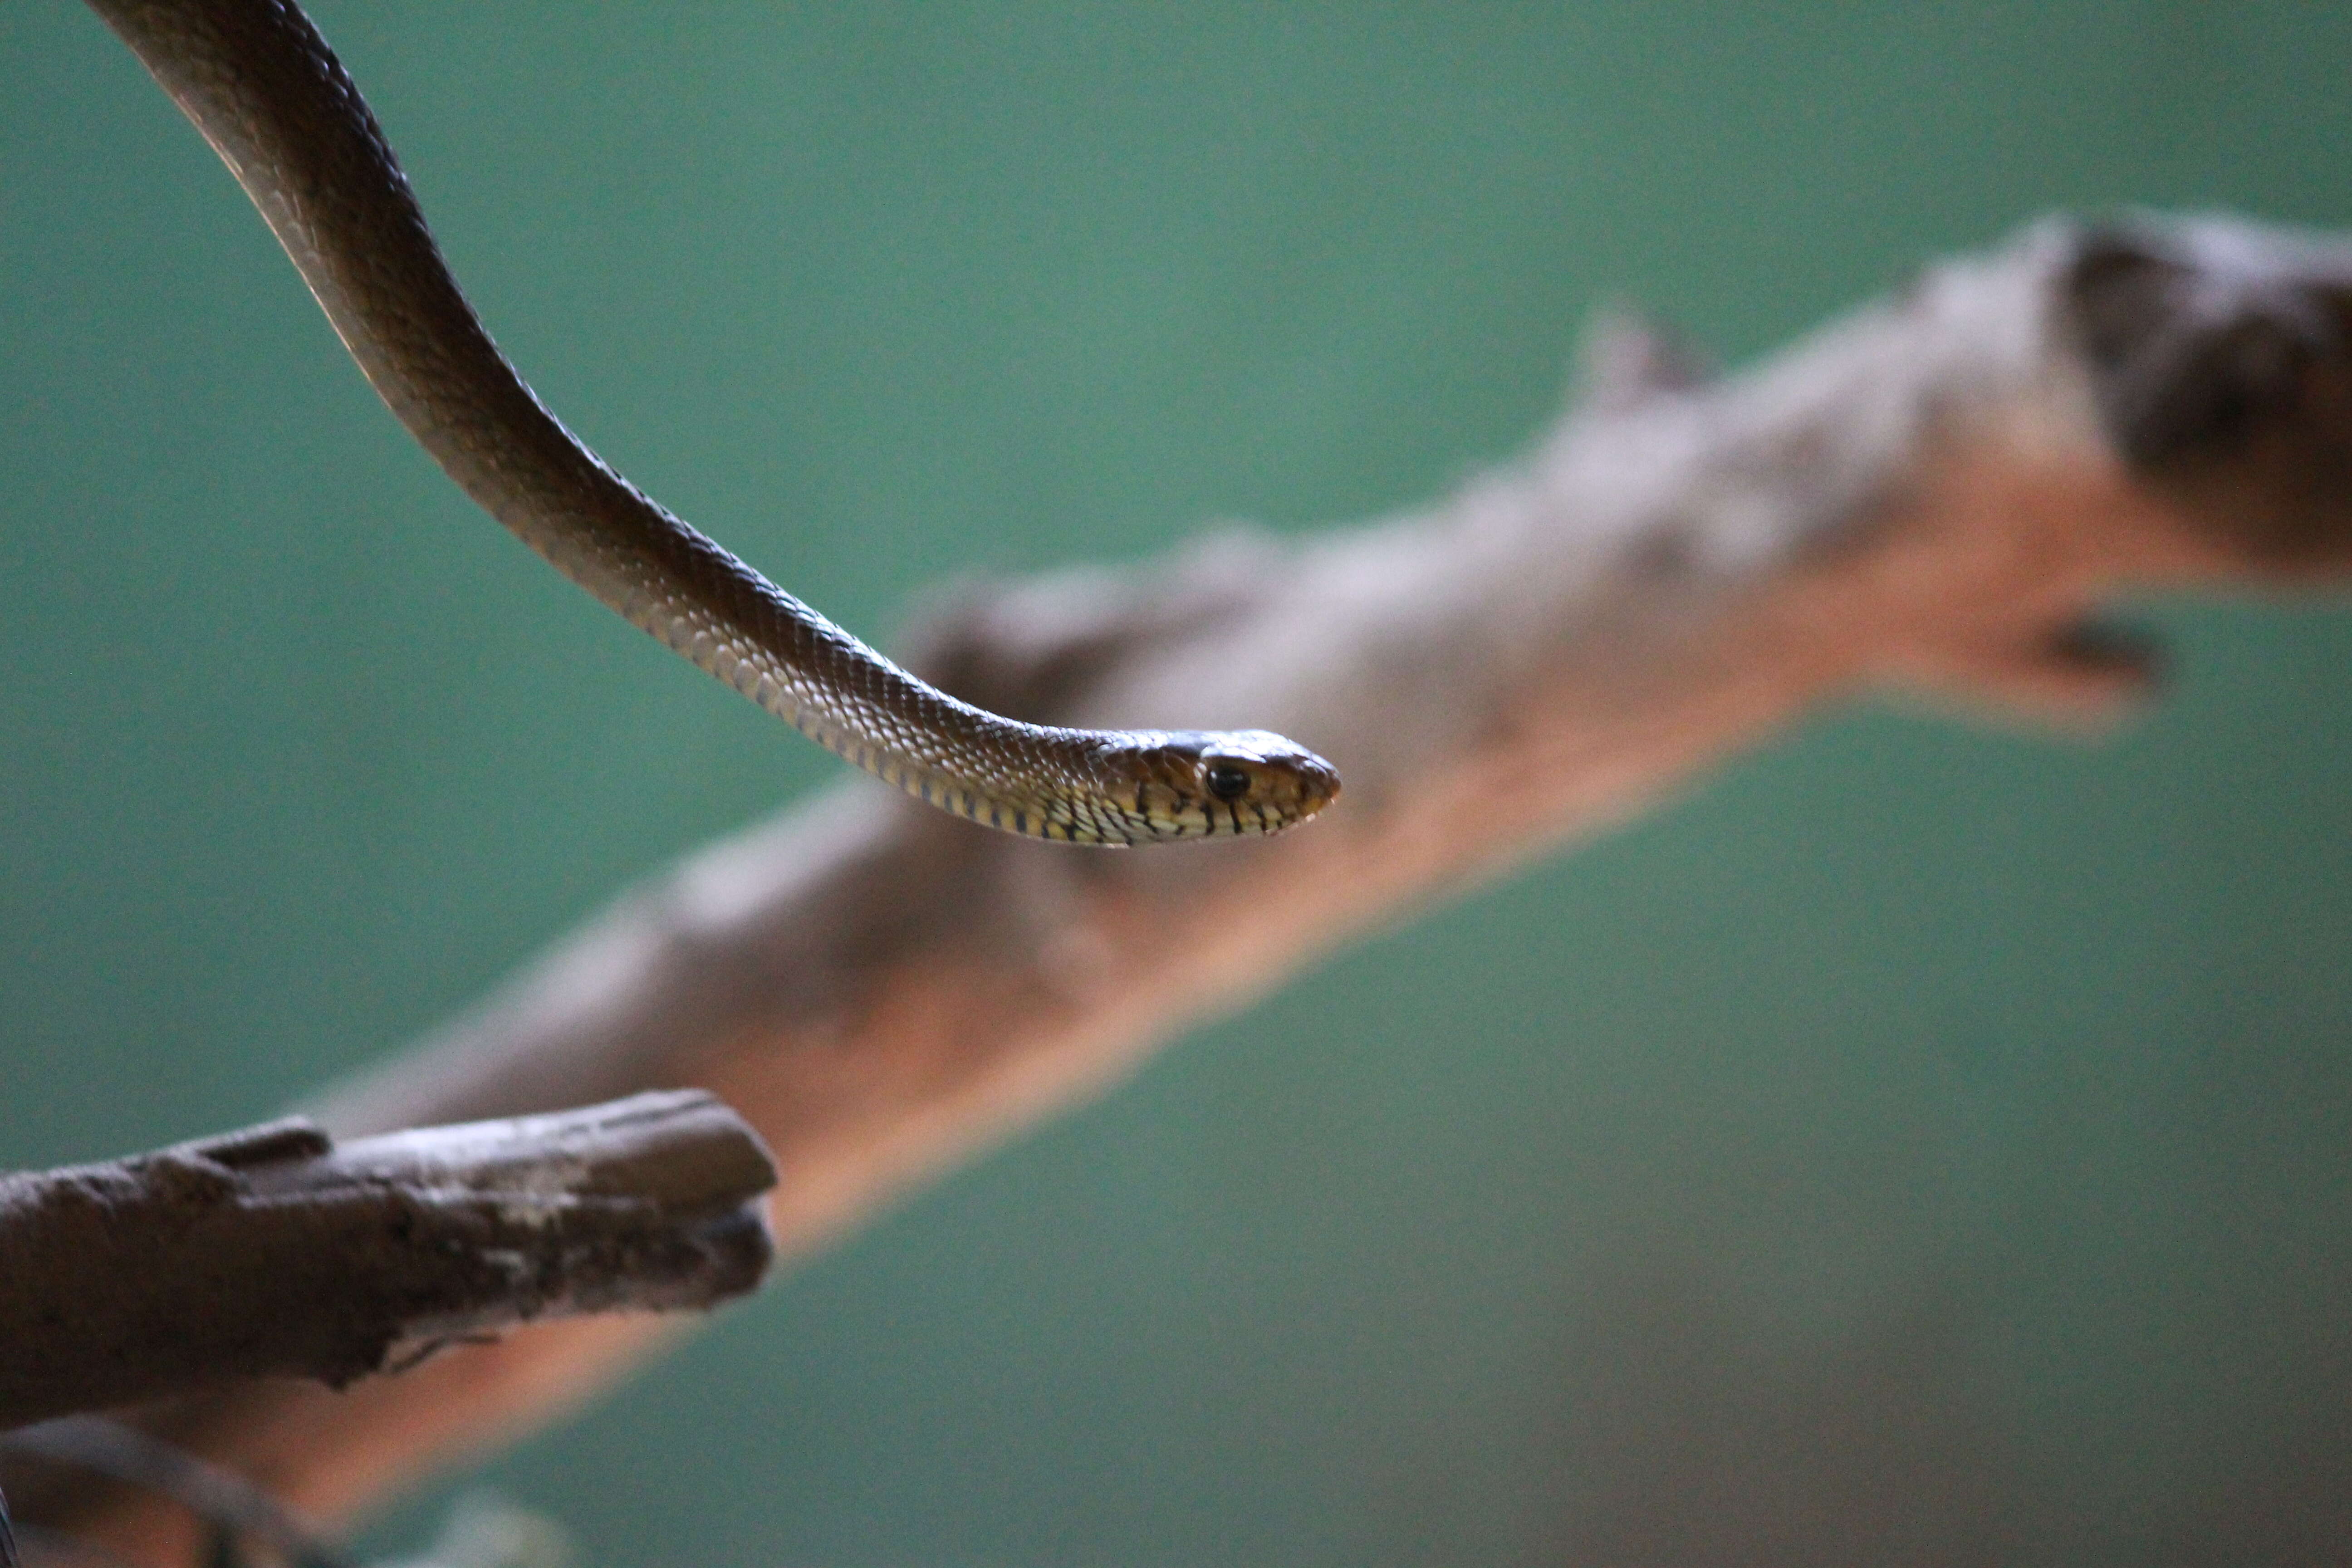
x=268, y=93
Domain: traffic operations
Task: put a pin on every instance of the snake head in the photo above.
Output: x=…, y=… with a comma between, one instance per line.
x=1200, y=784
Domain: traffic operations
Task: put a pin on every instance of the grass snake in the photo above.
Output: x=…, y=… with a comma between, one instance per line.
x=261, y=84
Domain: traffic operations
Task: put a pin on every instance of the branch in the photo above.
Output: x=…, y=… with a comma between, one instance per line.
x=1935, y=493
x=273, y=1252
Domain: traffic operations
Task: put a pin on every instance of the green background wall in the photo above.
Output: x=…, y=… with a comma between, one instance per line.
x=1921, y=1144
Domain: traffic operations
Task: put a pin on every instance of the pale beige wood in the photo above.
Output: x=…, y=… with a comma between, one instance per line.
x=1930, y=495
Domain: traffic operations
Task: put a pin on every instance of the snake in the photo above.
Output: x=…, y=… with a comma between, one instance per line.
x=260, y=82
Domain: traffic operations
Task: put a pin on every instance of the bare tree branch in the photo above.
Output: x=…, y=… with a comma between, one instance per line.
x=1933, y=493
x=273, y=1252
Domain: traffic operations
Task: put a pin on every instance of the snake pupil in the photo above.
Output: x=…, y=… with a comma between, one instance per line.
x=1227, y=782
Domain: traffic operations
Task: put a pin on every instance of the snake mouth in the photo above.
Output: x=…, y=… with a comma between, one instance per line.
x=1228, y=783
x=1268, y=795
x=1155, y=787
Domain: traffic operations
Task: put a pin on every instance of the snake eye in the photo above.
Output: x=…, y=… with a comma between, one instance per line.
x=1227, y=782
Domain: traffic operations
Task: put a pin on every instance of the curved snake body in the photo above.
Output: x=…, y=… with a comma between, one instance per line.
x=261, y=84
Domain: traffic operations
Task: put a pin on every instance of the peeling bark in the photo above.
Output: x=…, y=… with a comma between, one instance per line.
x=274, y=1252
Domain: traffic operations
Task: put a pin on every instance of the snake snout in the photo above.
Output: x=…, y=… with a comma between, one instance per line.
x=1263, y=783
x=1220, y=784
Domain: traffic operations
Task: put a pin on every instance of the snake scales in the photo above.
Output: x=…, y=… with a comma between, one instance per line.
x=261, y=84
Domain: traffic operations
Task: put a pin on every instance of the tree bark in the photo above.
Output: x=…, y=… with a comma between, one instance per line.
x=1933, y=494
x=274, y=1252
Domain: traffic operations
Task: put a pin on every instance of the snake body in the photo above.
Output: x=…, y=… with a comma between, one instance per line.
x=260, y=82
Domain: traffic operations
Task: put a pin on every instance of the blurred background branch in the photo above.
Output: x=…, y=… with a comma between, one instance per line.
x=1937, y=491
x=1910, y=1140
